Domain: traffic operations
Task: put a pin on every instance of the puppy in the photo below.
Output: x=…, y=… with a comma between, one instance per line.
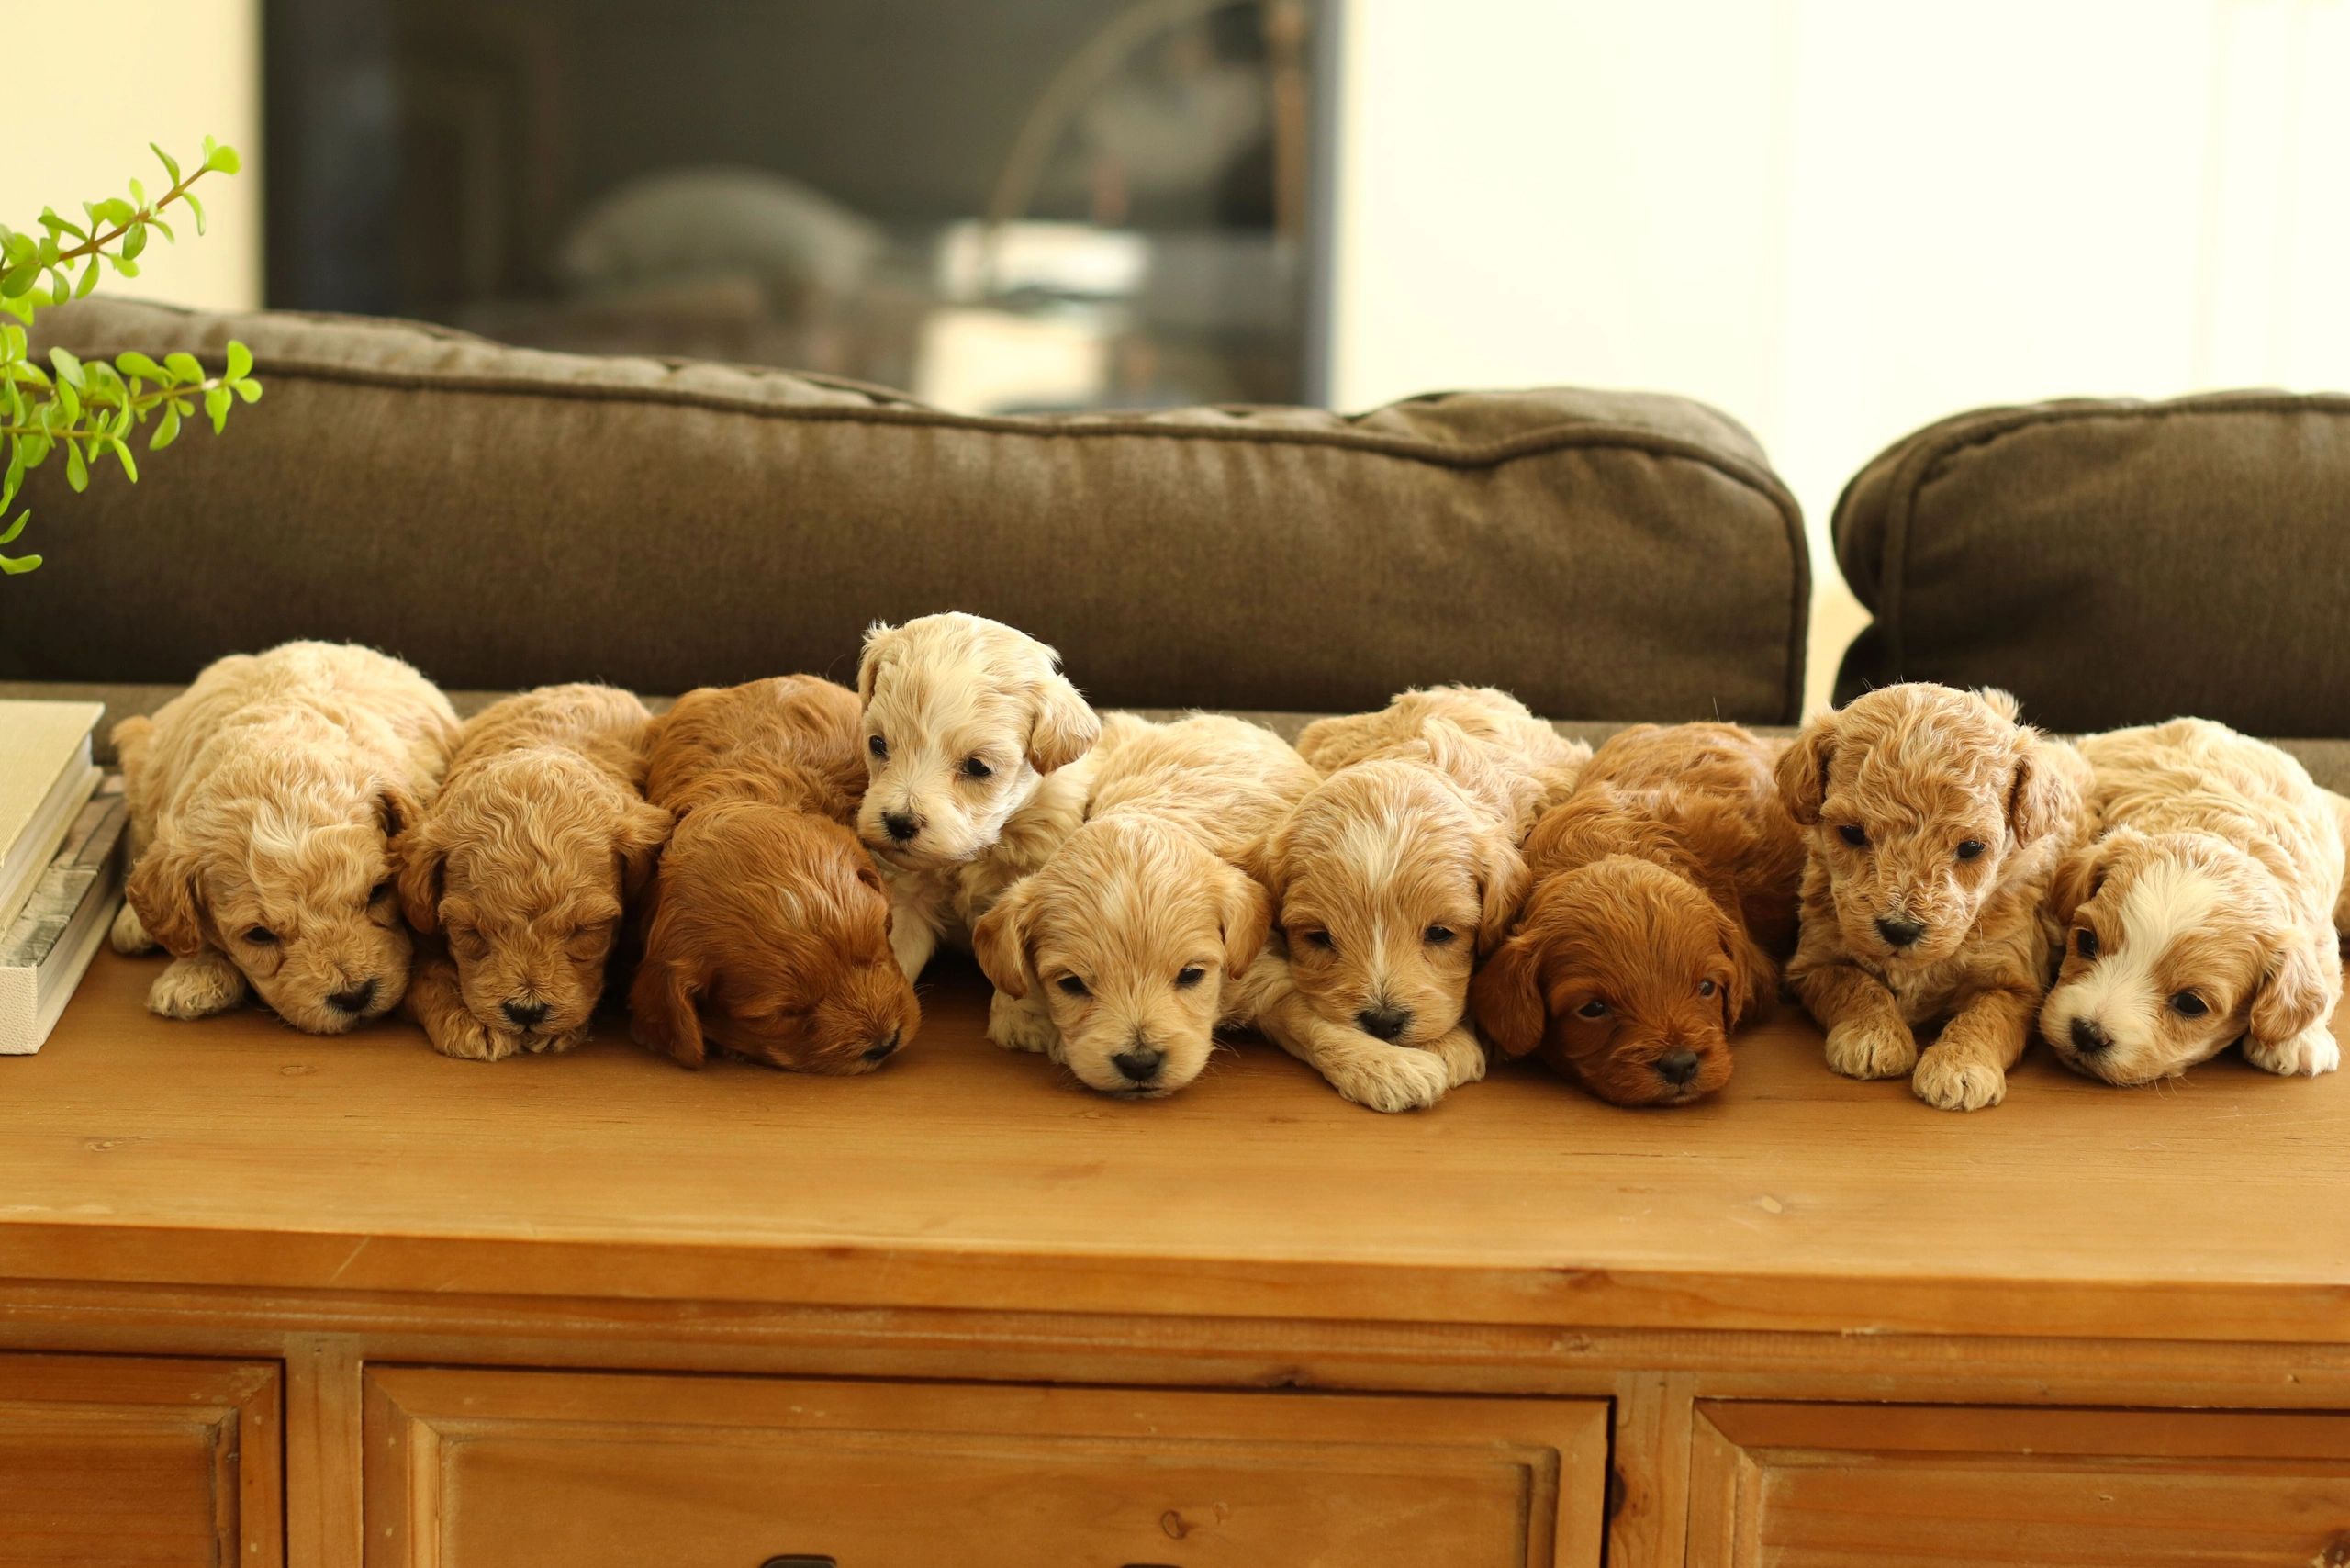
x=1935, y=821
x=1664, y=898
x=263, y=802
x=2204, y=914
x=767, y=931
x=975, y=747
x=523, y=863
x=1391, y=876
x=1134, y=928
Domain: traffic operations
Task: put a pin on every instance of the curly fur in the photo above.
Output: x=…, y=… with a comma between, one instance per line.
x=261, y=801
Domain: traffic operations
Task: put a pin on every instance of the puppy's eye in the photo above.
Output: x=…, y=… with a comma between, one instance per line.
x=1321, y=939
x=1072, y=986
x=975, y=768
x=1970, y=849
x=1705, y=988
x=1439, y=935
x=1189, y=976
x=877, y=747
x=380, y=891
x=2085, y=943
x=1858, y=837
x=262, y=937
x=1595, y=1008
x=2186, y=1004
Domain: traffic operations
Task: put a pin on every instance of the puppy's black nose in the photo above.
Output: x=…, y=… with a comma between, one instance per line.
x=1677, y=1067
x=1899, y=932
x=1140, y=1064
x=355, y=1000
x=1384, y=1022
x=524, y=1014
x=884, y=1048
x=902, y=825
x=2089, y=1038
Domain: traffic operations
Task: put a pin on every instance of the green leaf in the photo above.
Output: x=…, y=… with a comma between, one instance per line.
x=17, y=527
x=184, y=367
x=113, y=209
x=171, y=164
x=224, y=158
x=167, y=431
x=51, y=221
x=137, y=364
x=77, y=472
x=17, y=565
x=138, y=195
x=216, y=403
x=134, y=240
x=12, y=343
x=240, y=361
x=127, y=268
x=22, y=309
x=19, y=247
x=18, y=278
x=60, y=288
x=68, y=369
x=122, y=454
x=249, y=389
x=89, y=280
x=11, y=480
x=194, y=207
x=158, y=223
x=69, y=401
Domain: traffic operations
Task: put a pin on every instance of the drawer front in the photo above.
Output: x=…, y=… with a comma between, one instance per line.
x=137, y=1463
x=1837, y=1486
x=510, y=1469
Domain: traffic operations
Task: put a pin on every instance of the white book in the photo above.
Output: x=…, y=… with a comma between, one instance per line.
x=45, y=950
x=45, y=777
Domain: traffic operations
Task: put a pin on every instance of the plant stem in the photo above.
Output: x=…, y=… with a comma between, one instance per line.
x=144, y=215
x=138, y=405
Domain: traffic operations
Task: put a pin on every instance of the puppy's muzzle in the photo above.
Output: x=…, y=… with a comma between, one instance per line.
x=2090, y=1038
x=1385, y=1021
x=882, y=1049
x=1140, y=1062
x=1677, y=1067
x=524, y=1014
x=1900, y=931
x=903, y=827
x=355, y=999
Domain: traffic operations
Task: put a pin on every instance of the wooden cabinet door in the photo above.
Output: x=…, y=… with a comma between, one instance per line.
x=110, y=1463
x=518, y=1470
x=1844, y=1485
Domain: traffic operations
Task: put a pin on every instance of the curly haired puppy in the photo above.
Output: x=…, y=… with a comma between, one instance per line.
x=1664, y=896
x=263, y=801
x=524, y=862
x=2205, y=914
x=766, y=932
x=1136, y=925
x=1389, y=878
x=1935, y=821
x=975, y=745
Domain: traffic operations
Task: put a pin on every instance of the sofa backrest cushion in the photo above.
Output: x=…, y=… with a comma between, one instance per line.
x=504, y=517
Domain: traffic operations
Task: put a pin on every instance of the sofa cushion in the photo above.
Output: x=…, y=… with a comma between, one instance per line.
x=2114, y=562
x=504, y=517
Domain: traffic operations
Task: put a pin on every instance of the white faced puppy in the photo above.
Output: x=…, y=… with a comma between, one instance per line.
x=263, y=801
x=1393, y=875
x=974, y=746
x=2203, y=916
x=1134, y=926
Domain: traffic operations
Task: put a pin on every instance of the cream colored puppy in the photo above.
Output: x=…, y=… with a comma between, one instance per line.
x=1136, y=928
x=2204, y=914
x=975, y=746
x=263, y=802
x=522, y=863
x=1392, y=876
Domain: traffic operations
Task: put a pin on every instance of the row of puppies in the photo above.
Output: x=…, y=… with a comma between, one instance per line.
x=1660, y=882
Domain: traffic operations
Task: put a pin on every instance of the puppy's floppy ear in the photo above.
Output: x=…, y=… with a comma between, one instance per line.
x=2042, y=797
x=661, y=1016
x=1506, y=996
x=162, y=890
x=880, y=639
x=2081, y=873
x=1062, y=726
x=637, y=839
x=1502, y=882
x=2294, y=993
x=419, y=870
x=2002, y=702
x=1802, y=770
x=1247, y=912
x=396, y=807
x=1000, y=941
x=1753, y=976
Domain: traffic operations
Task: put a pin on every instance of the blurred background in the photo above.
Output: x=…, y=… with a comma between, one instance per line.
x=1836, y=219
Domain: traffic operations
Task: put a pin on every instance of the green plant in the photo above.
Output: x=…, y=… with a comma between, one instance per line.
x=88, y=409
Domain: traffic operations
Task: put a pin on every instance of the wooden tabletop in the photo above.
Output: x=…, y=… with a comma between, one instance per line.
x=235, y=1152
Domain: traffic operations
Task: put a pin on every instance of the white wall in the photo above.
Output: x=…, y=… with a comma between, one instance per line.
x=172, y=72
x=1839, y=220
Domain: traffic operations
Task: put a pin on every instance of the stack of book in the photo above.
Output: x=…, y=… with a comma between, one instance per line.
x=61, y=861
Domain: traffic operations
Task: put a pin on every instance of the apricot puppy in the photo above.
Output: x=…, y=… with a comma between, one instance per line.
x=1935, y=821
x=1664, y=898
x=767, y=931
x=2202, y=914
x=1391, y=876
x=523, y=864
x=263, y=801
x=1134, y=929
x=975, y=746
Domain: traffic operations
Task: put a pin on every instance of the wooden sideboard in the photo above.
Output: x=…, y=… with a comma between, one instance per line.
x=267, y=1298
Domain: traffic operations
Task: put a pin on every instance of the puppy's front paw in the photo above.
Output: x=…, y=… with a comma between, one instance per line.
x=1022, y=1026
x=2307, y=1054
x=1949, y=1083
x=128, y=933
x=1390, y=1078
x=1462, y=1054
x=463, y=1036
x=1870, y=1050
x=196, y=987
